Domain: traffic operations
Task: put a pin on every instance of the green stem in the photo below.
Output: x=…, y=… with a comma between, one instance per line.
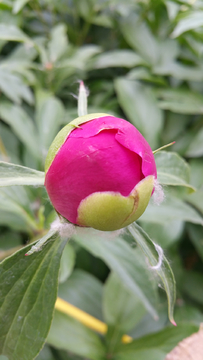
x=163, y=147
x=82, y=100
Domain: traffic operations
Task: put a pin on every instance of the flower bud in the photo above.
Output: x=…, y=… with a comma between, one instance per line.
x=100, y=172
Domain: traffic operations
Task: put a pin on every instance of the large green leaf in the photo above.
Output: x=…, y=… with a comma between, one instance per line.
x=196, y=200
x=140, y=105
x=164, y=234
x=120, y=315
x=156, y=346
x=181, y=101
x=139, y=36
x=80, y=58
x=14, y=210
x=58, y=43
x=125, y=261
x=190, y=21
x=18, y=5
x=13, y=33
x=84, y=291
x=22, y=125
x=144, y=354
x=195, y=148
x=172, y=169
x=11, y=174
x=192, y=285
x=69, y=334
x=67, y=263
x=196, y=236
x=45, y=354
x=13, y=87
x=196, y=167
x=28, y=293
x=6, y=5
x=50, y=113
x=126, y=311
x=171, y=209
x=118, y=58
x=180, y=71
x=158, y=262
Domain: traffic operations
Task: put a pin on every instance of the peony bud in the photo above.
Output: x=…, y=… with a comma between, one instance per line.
x=100, y=172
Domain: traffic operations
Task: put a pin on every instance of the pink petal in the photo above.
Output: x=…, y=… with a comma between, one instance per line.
x=127, y=135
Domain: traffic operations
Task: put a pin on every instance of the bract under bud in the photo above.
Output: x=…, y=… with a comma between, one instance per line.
x=100, y=172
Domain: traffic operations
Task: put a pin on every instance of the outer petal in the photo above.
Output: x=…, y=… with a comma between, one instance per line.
x=63, y=134
x=110, y=211
x=127, y=135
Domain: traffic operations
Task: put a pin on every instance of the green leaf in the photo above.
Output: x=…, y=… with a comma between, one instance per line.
x=13, y=33
x=10, y=143
x=26, y=302
x=11, y=174
x=196, y=166
x=152, y=354
x=187, y=313
x=164, y=234
x=118, y=58
x=69, y=334
x=195, y=148
x=80, y=59
x=138, y=35
x=139, y=104
x=181, y=101
x=18, y=5
x=141, y=73
x=190, y=21
x=196, y=237
x=180, y=71
x=124, y=261
x=50, y=112
x=126, y=311
x=172, y=169
x=172, y=9
x=22, y=126
x=67, y=263
x=45, y=354
x=156, y=346
x=13, y=212
x=148, y=325
x=159, y=262
x=171, y=209
x=6, y=5
x=196, y=200
x=192, y=285
x=13, y=87
x=84, y=291
x=58, y=43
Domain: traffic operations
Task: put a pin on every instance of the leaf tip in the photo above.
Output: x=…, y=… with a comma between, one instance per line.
x=173, y=322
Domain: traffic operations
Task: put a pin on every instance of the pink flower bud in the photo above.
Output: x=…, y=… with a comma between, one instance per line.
x=100, y=172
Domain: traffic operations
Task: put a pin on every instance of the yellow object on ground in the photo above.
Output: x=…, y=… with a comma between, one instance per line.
x=84, y=318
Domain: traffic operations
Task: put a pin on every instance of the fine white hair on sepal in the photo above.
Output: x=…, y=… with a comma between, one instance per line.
x=64, y=229
x=158, y=195
x=160, y=258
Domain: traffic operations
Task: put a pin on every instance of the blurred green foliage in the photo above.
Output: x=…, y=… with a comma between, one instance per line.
x=143, y=61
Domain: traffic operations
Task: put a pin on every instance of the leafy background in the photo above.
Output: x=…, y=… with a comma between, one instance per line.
x=143, y=61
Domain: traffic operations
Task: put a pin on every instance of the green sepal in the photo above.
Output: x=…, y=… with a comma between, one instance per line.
x=109, y=211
